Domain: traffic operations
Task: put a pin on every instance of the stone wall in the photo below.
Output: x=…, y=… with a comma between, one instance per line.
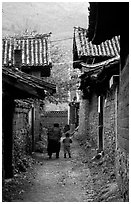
x=7, y=129
x=21, y=137
x=88, y=122
x=37, y=121
x=94, y=119
x=109, y=133
x=122, y=158
x=83, y=118
x=26, y=129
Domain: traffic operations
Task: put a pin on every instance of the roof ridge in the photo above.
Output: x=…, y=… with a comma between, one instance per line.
x=28, y=36
x=101, y=64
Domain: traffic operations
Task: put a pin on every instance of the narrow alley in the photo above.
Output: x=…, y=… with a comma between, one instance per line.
x=61, y=180
x=76, y=179
x=65, y=90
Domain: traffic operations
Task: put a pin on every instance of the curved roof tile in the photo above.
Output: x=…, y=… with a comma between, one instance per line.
x=35, y=51
x=110, y=48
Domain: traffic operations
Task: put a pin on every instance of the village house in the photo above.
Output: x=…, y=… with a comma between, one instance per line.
x=28, y=52
x=74, y=113
x=25, y=61
x=31, y=54
x=95, y=61
x=74, y=101
x=21, y=92
x=102, y=52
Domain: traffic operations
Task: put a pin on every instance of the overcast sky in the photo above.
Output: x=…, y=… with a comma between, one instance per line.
x=44, y=17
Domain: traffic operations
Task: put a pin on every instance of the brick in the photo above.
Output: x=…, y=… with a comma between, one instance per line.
x=122, y=172
x=123, y=132
x=124, y=122
x=51, y=117
x=93, y=118
x=123, y=112
x=123, y=143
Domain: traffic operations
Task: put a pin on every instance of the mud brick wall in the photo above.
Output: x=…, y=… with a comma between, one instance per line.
x=109, y=134
x=122, y=159
x=93, y=119
x=37, y=121
x=7, y=136
x=20, y=132
x=83, y=118
x=51, y=117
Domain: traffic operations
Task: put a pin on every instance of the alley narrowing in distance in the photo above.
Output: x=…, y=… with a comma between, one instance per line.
x=76, y=179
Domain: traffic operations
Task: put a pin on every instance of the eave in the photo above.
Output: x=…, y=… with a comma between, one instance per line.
x=22, y=85
x=96, y=77
x=86, y=52
x=98, y=66
x=107, y=19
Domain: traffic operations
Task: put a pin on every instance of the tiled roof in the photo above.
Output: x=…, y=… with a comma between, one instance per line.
x=95, y=69
x=109, y=48
x=27, y=83
x=35, y=50
x=95, y=74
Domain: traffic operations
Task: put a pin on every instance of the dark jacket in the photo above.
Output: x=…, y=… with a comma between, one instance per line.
x=54, y=134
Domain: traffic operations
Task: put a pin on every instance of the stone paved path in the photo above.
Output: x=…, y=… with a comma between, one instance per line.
x=61, y=180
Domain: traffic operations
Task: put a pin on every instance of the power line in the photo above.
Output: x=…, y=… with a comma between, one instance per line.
x=62, y=39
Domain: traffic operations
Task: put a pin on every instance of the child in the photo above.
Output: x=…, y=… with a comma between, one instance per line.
x=66, y=143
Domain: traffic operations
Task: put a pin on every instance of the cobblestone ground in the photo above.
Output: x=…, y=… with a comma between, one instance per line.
x=76, y=179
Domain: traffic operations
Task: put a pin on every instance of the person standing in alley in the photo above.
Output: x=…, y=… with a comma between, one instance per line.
x=54, y=135
x=67, y=141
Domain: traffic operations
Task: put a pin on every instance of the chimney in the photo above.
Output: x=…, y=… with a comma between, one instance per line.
x=18, y=57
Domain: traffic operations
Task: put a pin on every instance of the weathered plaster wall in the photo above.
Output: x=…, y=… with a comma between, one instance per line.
x=93, y=119
x=37, y=120
x=109, y=134
x=7, y=118
x=122, y=158
x=21, y=137
x=83, y=118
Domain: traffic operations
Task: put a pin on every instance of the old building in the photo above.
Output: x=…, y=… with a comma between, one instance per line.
x=30, y=53
x=20, y=93
x=25, y=60
x=93, y=61
x=48, y=118
x=111, y=25
x=103, y=60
